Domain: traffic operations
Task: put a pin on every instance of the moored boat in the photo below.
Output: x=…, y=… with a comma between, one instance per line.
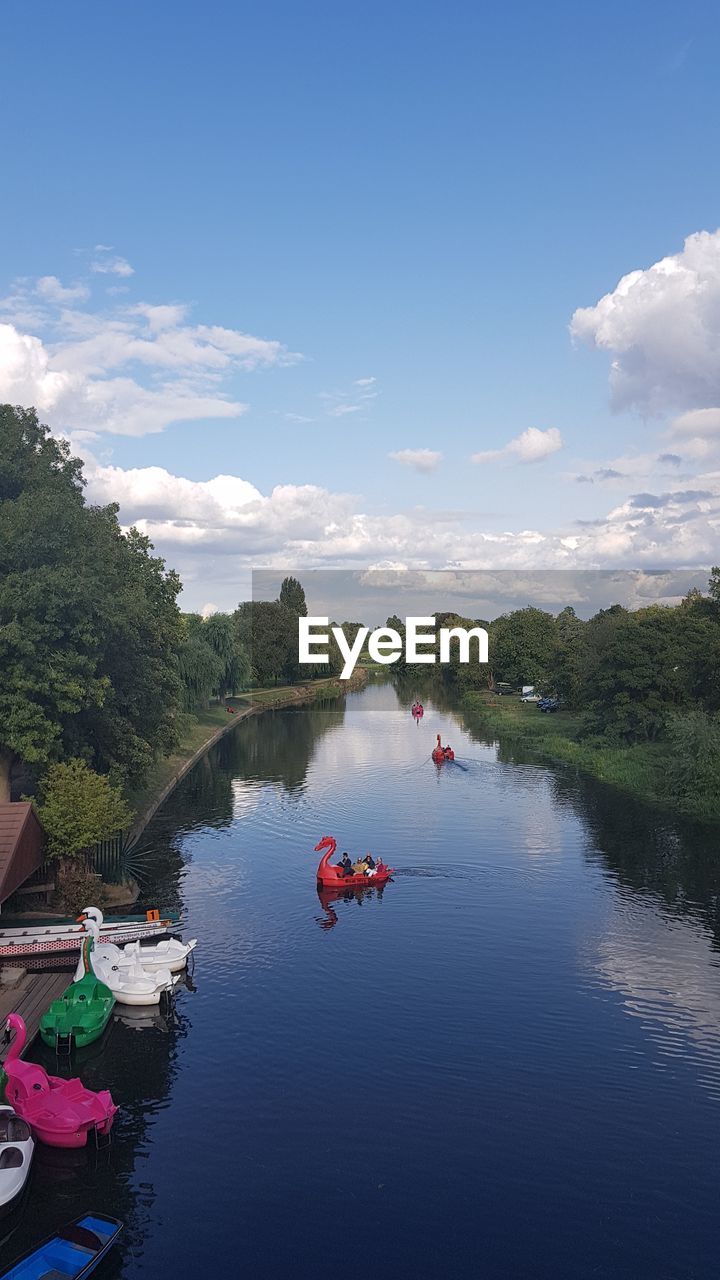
x=71, y=1253
x=80, y=1015
x=16, y=1153
x=61, y=1113
x=168, y=953
x=56, y=940
x=129, y=983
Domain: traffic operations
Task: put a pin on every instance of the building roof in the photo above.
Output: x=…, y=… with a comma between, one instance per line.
x=22, y=842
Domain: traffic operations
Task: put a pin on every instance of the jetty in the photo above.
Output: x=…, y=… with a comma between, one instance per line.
x=28, y=994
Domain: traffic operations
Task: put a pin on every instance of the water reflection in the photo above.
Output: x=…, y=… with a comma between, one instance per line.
x=360, y=894
x=140, y=1071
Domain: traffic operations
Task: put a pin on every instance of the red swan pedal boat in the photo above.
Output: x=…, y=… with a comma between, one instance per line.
x=417, y=710
x=331, y=876
x=441, y=753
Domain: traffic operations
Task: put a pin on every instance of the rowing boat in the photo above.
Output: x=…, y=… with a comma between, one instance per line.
x=46, y=940
x=72, y=1253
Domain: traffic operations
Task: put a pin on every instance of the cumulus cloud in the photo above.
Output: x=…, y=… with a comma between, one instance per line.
x=531, y=446
x=661, y=328
x=419, y=459
x=127, y=370
x=216, y=531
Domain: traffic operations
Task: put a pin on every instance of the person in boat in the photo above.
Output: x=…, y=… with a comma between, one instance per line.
x=369, y=865
x=359, y=867
x=346, y=864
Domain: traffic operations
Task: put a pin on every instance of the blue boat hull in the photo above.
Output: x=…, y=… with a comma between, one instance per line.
x=70, y=1254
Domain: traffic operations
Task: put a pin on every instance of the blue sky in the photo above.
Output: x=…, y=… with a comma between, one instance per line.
x=411, y=202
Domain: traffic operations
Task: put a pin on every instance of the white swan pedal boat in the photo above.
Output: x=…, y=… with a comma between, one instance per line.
x=129, y=983
x=168, y=953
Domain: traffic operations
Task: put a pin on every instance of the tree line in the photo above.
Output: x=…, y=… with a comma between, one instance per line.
x=100, y=667
x=630, y=678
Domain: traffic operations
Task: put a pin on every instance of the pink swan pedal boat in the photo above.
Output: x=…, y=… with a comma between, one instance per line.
x=61, y=1113
x=330, y=875
x=441, y=753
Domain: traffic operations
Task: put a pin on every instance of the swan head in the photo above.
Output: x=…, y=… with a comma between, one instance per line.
x=92, y=913
x=90, y=924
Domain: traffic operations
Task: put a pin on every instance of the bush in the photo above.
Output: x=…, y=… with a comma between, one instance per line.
x=694, y=770
x=78, y=808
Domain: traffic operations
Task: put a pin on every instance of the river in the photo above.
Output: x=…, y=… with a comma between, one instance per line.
x=505, y=1064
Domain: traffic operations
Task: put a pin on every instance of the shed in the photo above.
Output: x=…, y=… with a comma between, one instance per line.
x=22, y=843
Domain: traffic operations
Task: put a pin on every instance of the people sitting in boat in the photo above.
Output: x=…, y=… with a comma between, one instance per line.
x=369, y=867
x=346, y=864
x=359, y=867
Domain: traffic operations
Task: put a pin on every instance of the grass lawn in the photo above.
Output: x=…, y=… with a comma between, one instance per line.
x=554, y=736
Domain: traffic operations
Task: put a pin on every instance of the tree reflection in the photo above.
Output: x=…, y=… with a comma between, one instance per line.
x=275, y=746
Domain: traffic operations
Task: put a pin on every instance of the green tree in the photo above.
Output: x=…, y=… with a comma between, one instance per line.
x=268, y=632
x=78, y=808
x=522, y=647
x=88, y=619
x=222, y=636
x=49, y=619
x=568, y=658
x=201, y=667
x=633, y=677
x=694, y=769
x=292, y=597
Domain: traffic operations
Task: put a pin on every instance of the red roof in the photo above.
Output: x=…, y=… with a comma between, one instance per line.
x=22, y=842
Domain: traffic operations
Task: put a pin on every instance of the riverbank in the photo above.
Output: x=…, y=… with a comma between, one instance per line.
x=203, y=729
x=641, y=770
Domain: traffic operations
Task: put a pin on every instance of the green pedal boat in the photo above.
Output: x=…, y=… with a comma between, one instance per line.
x=81, y=1013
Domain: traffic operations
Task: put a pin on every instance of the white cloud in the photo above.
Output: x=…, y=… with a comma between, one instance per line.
x=107, y=266
x=419, y=459
x=128, y=370
x=661, y=326
x=698, y=422
x=364, y=382
x=531, y=446
x=218, y=530
x=50, y=288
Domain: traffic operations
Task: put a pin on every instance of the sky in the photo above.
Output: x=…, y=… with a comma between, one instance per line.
x=398, y=287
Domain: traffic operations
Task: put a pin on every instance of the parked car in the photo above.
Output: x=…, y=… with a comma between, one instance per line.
x=548, y=704
x=530, y=697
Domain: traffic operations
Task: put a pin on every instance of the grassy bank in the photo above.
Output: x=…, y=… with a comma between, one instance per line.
x=641, y=770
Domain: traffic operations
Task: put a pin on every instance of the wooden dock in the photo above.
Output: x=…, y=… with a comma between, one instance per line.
x=29, y=997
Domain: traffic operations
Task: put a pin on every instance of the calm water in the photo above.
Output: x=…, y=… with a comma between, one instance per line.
x=507, y=1064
